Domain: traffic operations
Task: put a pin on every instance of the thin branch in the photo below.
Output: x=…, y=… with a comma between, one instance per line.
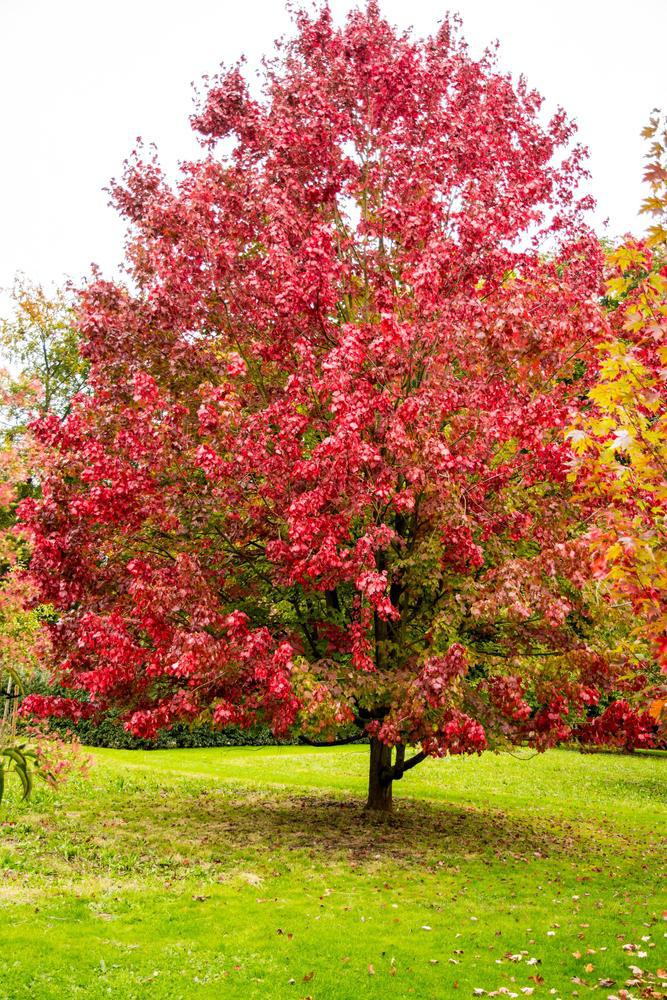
x=331, y=743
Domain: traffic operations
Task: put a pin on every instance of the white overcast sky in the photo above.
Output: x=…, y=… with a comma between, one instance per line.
x=80, y=79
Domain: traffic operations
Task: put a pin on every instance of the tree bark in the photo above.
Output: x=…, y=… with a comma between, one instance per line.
x=380, y=777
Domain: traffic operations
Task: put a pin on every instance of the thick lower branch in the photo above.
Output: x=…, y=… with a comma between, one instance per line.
x=416, y=759
x=402, y=765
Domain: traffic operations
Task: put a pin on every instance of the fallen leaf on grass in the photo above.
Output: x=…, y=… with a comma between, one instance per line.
x=251, y=878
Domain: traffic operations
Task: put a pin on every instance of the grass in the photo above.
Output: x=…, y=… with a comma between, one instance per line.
x=253, y=872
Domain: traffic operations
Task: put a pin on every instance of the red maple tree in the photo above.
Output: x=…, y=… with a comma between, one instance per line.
x=319, y=478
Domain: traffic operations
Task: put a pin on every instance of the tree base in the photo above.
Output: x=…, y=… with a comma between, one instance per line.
x=379, y=779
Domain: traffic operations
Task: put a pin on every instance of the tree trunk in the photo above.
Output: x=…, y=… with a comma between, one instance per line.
x=379, y=778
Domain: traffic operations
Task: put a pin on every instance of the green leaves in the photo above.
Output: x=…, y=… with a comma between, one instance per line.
x=20, y=760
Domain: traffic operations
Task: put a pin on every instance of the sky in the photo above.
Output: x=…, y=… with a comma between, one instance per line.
x=80, y=80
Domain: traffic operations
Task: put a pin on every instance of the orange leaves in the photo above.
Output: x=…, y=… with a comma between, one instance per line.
x=620, y=442
x=655, y=175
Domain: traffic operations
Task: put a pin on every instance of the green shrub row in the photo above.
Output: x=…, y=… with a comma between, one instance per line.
x=110, y=732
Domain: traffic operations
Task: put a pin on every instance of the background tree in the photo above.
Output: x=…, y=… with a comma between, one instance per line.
x=40, y=344
x=320, y=478
x=22, y=640
x=621, y=439
x=45, y=371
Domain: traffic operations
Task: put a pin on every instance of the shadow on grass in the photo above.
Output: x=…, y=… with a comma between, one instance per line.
x=217, y=833
x=344, y=831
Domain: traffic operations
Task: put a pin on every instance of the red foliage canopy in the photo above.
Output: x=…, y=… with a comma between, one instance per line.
x=320, y=477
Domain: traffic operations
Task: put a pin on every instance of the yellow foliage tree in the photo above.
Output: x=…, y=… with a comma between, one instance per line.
x=621, y=442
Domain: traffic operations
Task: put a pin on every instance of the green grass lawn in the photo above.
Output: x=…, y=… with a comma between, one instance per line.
x=253, y=872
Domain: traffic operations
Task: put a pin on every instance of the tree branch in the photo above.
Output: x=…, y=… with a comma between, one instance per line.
x=401, y=765
x=331, y=743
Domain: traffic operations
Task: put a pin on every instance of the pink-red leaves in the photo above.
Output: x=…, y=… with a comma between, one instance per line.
x=321, y=475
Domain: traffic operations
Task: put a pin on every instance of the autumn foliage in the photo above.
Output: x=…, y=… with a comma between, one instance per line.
x=620, y=437
x=320, y=478
x=621, y=440
x=45, y=372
